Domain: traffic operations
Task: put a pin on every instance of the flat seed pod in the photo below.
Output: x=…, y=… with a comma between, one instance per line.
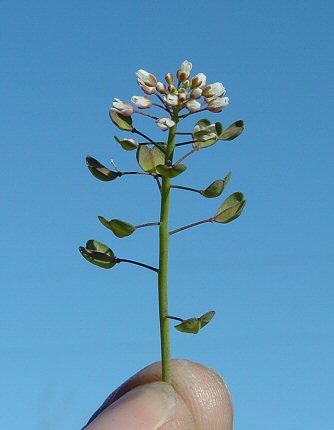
x=99, y=254
x=206, y=318
x=118, y=227
x=149, y=158
x=231, y=208
x=171, y=171
x=127, y=144
x=233, y=131
x=121, y=121
x=216, y=188
x=100, y=171
x=191, y=325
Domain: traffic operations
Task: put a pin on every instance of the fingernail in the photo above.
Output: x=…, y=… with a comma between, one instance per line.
x=144, y=408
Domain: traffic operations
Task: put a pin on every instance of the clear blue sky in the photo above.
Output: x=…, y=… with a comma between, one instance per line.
x=71, y=332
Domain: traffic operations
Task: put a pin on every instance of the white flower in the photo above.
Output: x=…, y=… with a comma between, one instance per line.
x=161, y=87
x=164, y=123
x=147, y=81
x=214, y=90
x=193, y=105
x=218, y=104
x=146, y=78
x=198, y=80
x=124, y=108
x=196, y=93
x=184, y=72
x=172, y=99
x=142, y=102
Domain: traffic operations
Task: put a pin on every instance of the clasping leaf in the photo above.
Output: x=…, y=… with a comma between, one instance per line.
x=149, y=158
x=171, y=171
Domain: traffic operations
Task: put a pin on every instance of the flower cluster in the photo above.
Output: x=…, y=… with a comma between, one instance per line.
x=186, y=92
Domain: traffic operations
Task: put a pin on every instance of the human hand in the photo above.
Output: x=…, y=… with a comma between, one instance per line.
x=198, y=400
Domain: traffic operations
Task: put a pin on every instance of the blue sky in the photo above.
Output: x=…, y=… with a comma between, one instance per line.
x=71, y=332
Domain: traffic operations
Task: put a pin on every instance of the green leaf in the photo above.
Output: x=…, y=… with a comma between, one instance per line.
x=127, y=144
x=171, y=171
x=149, y=158
x=231, y=208
x=217, y=187
x=206, y=318
x=100, y=171
x=121, y=121
x=99, y=254
x=118, y=227
x=191, y=325
x=233, y=130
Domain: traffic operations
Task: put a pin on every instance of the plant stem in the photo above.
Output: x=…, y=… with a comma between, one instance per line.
x=181, y=187
x=175, y=318
x=124, y=260
x=185, y=143
x=191, y=225
x=163, y=261
x=186, y=155
x=148, y=224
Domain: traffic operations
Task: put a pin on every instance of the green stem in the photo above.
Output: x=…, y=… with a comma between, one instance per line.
x=194, y=224
x=163, y=261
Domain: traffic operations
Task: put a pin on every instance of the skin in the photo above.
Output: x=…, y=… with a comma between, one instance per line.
x=198, y=400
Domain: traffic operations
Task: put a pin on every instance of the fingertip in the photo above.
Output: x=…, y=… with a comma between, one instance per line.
x=147, y=407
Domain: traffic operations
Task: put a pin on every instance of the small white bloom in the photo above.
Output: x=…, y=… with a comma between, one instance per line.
x=124, y=108
x=214, y=90
x=184, y=72
x=199, y=80
x=147, y=81
x=146, y=78
x=172, y=99
x=218, y=104
x=196, y=93
x=142, y=102
x=165, y=123
x=193, y=105
x=161, y=87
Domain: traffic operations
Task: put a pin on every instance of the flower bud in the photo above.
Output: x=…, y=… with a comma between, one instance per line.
x=161, y=87
x=184, y=72
x=193, y=105
x=182, y=97
x=172, y=100
x=218, y=104
x=142, y=102
x=147, y=81
x=165, y=123
x=214, y=90
x=172, y=88
x=123, y=108
x=182, y=90
x=186, y=84
x=196, y=93
x=146, y=78
x=169, y=78
x=198, y=81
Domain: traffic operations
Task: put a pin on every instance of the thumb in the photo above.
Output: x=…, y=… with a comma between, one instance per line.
x=146, y=407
